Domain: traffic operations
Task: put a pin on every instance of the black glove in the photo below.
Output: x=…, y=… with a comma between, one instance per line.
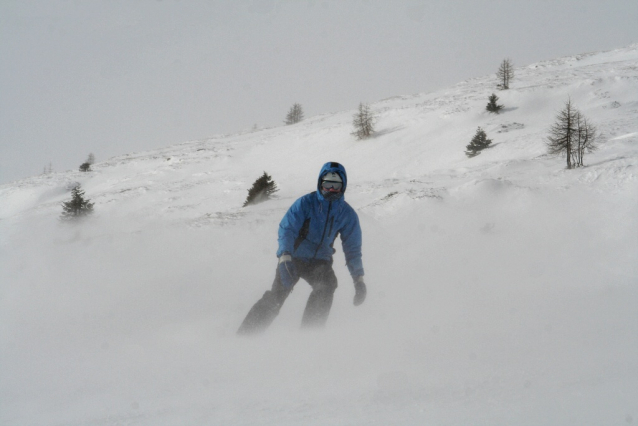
x=287, y=271
x=360, y=291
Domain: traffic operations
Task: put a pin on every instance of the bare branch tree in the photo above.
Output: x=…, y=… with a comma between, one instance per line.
x=561, y=134
x=363, y=122
x=572, y=135
x=295, y=114
x=586, y=138
x=505, y=74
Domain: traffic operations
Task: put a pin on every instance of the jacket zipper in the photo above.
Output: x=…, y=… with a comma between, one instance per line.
x=323, y=236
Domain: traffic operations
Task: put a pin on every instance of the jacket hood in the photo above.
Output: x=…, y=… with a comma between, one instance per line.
x=333, y=167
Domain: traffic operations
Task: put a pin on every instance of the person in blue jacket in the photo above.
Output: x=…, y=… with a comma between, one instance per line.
x=307, y=234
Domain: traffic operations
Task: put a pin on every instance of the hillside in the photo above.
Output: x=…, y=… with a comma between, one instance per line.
x=502, y=288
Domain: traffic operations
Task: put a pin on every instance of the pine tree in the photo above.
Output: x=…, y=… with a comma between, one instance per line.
x=363, y=122
x=295, y=114
x=478, y=143
x=77, y=207
x=505, y=74
x=261, y=190
x=572, y=135
x=492, y=106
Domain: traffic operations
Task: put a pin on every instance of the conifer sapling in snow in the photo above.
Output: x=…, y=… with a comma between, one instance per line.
x=77, y=207
x=478, y=143
x=492, y=105
x=261, y=190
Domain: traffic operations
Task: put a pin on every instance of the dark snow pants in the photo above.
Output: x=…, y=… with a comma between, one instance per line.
x=321, y=277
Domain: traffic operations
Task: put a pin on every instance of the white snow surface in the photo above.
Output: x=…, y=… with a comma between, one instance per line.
x=503, y=289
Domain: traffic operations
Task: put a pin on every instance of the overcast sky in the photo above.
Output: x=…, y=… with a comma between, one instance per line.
x=119, y=76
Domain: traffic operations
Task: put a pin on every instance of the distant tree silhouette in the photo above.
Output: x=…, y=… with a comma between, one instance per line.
x=86, y=166
x=571, y=135
x=505, y=74
x=363, y=122
x=261, y=190
x=492, y=106
x=478, y=143
x=295, y=114
x=77, y=207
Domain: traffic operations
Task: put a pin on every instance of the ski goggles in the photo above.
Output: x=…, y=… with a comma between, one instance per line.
x=331, y=186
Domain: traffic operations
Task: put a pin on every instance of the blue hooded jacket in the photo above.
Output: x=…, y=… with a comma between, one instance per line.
x=310, y=226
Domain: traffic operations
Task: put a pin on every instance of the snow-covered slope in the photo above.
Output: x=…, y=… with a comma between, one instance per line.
x=502, y=288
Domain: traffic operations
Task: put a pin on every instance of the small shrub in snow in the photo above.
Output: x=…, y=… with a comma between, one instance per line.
x=363, y=122
x=86, y=166
x=478, y=143
x=261, y=190
x=77, y=207
x=572, y=135
x=492, y=105
x=295, y=114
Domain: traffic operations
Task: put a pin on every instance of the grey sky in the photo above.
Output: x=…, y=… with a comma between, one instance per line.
x=118, y=76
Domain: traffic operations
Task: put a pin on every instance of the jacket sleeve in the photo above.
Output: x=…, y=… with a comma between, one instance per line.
x=290, y=226
x=351, y=243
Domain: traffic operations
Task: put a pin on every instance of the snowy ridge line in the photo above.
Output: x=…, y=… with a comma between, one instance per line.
x=396, y=116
